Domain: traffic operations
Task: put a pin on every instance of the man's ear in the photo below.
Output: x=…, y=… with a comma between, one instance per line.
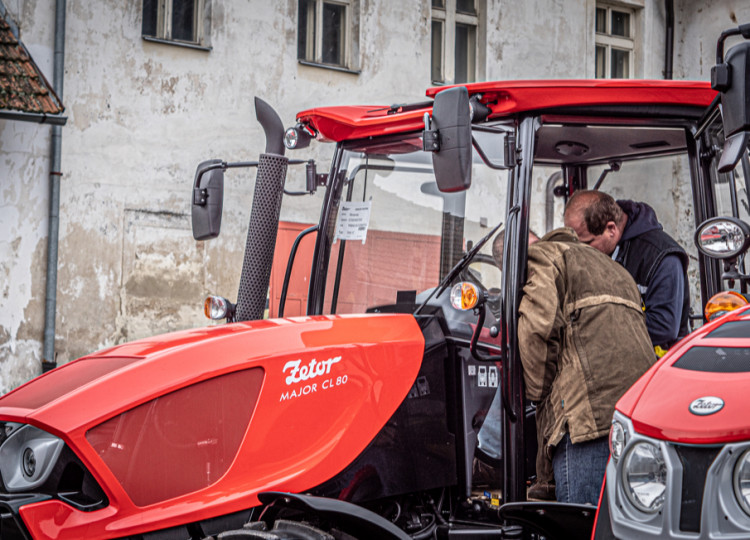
x=611, y=228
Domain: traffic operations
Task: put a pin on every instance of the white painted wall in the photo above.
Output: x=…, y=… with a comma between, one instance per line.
x=142, y=115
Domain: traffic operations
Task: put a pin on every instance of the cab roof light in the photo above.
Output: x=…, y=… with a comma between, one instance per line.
x=722, y=303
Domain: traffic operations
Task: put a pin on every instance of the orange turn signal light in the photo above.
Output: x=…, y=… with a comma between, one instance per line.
x=464, y=296
x=722, y=303
x=215, y=307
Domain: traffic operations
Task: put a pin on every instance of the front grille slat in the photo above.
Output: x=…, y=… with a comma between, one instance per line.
x=696, y=460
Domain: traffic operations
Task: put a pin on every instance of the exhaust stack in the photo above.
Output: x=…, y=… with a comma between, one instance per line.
x=264, y=218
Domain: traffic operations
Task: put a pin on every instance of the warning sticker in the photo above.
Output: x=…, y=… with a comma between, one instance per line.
x=353, y=220
x=493, y=377
x=482, y=376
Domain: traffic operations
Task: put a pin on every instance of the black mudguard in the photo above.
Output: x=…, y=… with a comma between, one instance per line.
x=350, y=518
x=554, y=521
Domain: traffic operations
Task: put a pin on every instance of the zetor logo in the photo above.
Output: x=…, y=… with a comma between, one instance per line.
x=706, y=405
x=310, y=371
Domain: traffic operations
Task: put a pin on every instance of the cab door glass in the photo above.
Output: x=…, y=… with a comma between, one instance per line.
x=394, y=234
x=664, y=183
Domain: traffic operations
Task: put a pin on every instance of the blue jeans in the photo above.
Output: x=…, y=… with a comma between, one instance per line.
x=579, y=470
x=490, y=434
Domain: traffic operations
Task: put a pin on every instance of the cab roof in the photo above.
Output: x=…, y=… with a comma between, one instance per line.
x=510, y=98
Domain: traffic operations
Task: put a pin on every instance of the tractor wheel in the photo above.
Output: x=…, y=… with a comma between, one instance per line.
x=282, y=530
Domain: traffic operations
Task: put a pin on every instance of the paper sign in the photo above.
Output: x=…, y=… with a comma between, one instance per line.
x=353, y=220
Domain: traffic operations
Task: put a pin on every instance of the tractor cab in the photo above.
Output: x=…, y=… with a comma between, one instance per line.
x=427, y=210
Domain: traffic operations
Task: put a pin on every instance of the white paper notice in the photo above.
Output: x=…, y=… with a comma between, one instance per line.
x=353, y=220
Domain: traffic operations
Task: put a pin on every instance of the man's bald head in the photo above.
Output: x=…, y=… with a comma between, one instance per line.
x=596, y=218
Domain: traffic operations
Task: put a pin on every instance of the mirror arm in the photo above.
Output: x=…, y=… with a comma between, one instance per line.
x=200, y=195
x=510, y=152
x=614, y=166
x=743, y=30
x=430, y=137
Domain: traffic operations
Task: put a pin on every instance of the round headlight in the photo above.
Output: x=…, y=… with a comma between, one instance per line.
x=616, y=440
x=742, y=481
x=29, y=463
x=645, y=477
x=291, y=138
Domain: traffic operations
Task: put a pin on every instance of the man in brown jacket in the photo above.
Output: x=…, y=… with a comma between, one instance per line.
x=583, y=342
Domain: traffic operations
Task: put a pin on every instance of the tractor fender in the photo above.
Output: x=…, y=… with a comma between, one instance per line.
x=353, y=519
x=551, y=519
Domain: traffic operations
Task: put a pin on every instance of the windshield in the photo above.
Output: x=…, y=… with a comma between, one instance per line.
x=395, y=232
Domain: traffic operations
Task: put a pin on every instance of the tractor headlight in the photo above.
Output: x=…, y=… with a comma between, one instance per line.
x=617, y=440
x=27, y=456
x=645, y=477
x=742, y=481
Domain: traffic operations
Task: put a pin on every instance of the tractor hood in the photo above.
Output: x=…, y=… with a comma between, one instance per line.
x=221, y=413
x=698, y=393
x=93, y=388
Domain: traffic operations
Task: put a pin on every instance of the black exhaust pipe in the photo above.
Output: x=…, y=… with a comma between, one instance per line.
x=264, y=218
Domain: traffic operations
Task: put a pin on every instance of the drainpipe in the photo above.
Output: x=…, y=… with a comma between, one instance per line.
x=50, y=308
x=669, y=36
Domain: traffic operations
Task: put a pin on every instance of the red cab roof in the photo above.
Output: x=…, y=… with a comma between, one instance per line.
x=508, y=98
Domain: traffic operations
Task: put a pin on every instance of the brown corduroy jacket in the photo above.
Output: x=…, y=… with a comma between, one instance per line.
x=582, y=336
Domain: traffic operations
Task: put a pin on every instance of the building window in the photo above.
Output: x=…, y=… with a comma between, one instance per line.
x=614, y=42
x=181, y=22
x=455, y=37
x=327, y=33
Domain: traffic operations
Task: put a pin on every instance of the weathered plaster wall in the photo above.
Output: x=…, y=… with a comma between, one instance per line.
x=695, y=43
x=143, y=115
x=24, y=169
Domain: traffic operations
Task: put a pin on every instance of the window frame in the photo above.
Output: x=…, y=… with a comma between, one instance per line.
x=163, y=33
x=449, y=17
x=609, y=41
x=314, y=44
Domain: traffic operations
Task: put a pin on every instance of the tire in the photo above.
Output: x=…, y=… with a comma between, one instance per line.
x=282, y=530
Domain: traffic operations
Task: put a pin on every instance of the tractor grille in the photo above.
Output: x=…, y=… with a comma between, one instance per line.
x=696, y=460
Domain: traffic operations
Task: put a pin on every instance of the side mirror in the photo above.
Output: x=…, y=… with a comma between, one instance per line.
x=725, y=238
x=722, y=238
x=729, y=77
x=451, y=121
x=208, y=199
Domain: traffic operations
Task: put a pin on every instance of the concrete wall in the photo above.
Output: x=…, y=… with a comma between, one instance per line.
x=142, y=115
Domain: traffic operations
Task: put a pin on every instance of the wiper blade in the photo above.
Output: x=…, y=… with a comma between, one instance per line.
x=458, y=268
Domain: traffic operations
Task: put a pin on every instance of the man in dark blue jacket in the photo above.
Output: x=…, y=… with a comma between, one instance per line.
x=631, y=234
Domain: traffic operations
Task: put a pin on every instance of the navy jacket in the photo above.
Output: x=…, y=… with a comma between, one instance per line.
x=659, y=266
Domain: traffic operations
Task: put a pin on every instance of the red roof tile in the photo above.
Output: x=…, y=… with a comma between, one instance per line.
x=22, y=85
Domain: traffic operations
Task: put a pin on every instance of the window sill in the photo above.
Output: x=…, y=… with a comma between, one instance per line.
x=184, y=44
x=329, y=66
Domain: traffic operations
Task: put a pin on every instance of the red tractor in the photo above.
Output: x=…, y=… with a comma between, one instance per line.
x=359, y=417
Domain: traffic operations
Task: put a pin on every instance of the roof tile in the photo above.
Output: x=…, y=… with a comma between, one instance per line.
x=22, y=85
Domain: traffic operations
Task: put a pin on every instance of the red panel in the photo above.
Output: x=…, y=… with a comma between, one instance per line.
x=300, y=434
x=299, y=282
x=388, y=262
x=60, y=381
x=181, y=442
x=507, y=98
x=372, y=275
